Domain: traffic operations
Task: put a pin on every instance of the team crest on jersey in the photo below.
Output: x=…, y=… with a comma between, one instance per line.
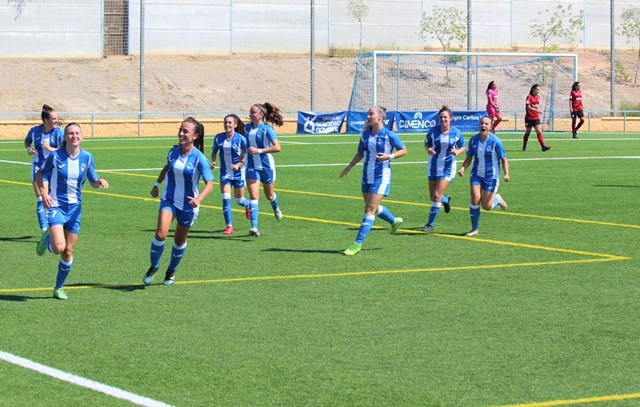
x=83, y=167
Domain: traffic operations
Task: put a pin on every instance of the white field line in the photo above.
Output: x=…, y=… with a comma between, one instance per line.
x=81, y=381
x=399, y=162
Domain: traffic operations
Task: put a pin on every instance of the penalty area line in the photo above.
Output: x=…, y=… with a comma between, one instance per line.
x=81, y=381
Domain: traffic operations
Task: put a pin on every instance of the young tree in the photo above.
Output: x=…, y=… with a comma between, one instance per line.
x=446, y=24
x=630, y=28
x=562, y=24
x=358, y=11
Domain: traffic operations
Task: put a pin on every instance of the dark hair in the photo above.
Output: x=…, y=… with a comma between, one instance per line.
x=239, y=123
x=271, y=113
x=490, y=85
x=535, y=85
x=575, y=85
x=46, y=112
x=199, y=130
x=444, y=108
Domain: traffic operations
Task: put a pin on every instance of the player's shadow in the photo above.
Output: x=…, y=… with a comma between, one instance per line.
x=616, y=186
x=20, y=298
x=21, y=239
x=115, y=287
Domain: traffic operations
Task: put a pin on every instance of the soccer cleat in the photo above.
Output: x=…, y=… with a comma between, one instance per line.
x=502, y=204
x=60, y=294
x=575, y=135
x=169, y=277
x=546, y=148
x=396, y=225
x=247, y=212
x=427, y=228
x=277, y=213
x=254, y=232
x=148, y=277
x=42, y=244
x=228, y=231
x=447, y=206
x=353, y=249
x=524, y=147
x=472, y=232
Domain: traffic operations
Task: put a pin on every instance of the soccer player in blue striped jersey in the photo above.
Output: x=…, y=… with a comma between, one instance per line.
x=262, y=143
x=60, y=181
x=487, y=153
x=181, y=197
x=231, y=145
x=376, y=148
x=443, y=144
x=40, y=141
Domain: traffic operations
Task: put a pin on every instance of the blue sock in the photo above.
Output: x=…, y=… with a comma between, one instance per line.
x=435, y=209
x=47, y=241
x=474, y=212
x=42, y=215
x=274, y=202
x=244, y=202
x=253, y=207
x=444, y=199
x=384, y=214
x=157, y=247
x=365, y=227
x=176, y=255
x=226, y=208
x=64, y=268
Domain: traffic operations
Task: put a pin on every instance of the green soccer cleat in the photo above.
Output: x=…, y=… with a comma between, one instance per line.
x=60, y=294
x=396, y=225
x=353, y=249
x=41, y=248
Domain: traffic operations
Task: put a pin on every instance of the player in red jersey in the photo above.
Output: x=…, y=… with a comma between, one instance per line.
x=532, y=118
x=575, y=107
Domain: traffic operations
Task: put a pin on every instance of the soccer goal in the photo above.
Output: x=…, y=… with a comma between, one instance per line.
x=401, y=80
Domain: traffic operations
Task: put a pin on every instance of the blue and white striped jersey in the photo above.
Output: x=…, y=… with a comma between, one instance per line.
x=260, y=137
x=184, y=175
x=443, y=162
x=230, y=152
x=36, y=137
x=385, y=141
x=66, y=175
x=486, y=156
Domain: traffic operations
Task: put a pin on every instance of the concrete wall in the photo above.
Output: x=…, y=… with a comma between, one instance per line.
x=65, y=28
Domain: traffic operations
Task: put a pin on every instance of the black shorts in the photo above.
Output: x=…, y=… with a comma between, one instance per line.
x=577, y=113
x=531, y=123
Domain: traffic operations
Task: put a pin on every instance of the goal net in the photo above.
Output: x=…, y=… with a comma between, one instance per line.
x=408, y=81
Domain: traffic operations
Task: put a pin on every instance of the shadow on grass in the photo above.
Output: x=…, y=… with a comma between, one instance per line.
x=22, y=239
x=22, y=298
x=116, y=287
x=617, y=186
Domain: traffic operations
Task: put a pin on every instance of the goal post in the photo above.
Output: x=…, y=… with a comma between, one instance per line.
x=403, y=80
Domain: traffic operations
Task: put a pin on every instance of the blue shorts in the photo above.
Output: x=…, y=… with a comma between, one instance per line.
x=449, y=175
x=236, y=183
x=34, y=168
x=266, y=175
x=185, y=218
x=489, y=185
x=68, y=217
x=378, y=187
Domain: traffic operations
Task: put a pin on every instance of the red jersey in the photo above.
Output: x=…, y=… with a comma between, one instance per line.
x=576, y=100
x=534, y=102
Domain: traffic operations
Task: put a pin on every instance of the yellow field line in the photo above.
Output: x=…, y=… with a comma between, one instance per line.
x=340, y=274
x=599, y=399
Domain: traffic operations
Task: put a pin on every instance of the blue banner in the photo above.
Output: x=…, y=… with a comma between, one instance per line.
x=320, y=123
x=467, y=120
x=415, y=122
x=356, y=121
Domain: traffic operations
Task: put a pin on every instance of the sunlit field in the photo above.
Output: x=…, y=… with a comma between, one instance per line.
x=541, y=307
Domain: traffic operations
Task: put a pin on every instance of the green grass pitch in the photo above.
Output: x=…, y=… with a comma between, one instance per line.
x=541, y=307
